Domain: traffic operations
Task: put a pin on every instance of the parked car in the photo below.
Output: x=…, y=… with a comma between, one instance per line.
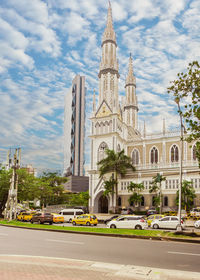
x=126, y=211
x=71, y=213
x=151, y=218
x=86, y=219
x=25, y=216
x=111, y=218
x=42, y=218
x=57, y=218
x=195, y=212
x=129, y=221
x=151, y=212
x=168, y=222
x=197, y=224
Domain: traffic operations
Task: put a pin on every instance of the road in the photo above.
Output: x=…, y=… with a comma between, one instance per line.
x=147, y=253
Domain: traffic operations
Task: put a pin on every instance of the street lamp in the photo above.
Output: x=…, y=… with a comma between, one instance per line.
x=177, y=100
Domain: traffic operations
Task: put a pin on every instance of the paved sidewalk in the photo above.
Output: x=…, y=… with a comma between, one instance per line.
x=46, y=268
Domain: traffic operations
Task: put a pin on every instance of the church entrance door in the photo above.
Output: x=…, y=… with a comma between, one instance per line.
x=103, y=205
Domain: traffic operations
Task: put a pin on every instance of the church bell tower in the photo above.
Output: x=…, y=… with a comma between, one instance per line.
x=108, y=72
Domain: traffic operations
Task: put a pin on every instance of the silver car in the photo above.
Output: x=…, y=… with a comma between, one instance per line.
x=168, y=222
x=197, y=224
x=128, y=221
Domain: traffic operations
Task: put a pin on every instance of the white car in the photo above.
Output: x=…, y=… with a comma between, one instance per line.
x=129, y=221
x=197, y=224
x=169, y=222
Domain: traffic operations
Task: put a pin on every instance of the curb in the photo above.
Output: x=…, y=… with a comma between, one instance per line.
x=186, y=240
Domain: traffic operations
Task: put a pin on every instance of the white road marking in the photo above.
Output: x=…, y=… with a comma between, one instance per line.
x=181, y=253
x=4, y=234
x=64, y=241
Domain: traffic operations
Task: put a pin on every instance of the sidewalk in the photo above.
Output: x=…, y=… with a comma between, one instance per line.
x=46, y=268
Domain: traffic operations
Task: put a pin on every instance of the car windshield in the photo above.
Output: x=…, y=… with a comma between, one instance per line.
x=93, y=216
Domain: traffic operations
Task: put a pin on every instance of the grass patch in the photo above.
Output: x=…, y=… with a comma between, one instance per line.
x=133, y=232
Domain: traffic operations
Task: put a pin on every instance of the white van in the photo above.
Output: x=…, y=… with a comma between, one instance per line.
x=70, y=214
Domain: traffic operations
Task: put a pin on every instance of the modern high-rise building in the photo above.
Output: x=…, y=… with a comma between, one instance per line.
x=74, y=127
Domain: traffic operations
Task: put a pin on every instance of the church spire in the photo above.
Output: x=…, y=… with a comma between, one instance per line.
x=94, y=102
x=131, y=108
x=130, y=79
x=164, y=127
x=109, y=33
x=108, y=70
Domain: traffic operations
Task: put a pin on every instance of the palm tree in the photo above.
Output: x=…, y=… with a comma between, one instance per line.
x=118, y=163
x=156, y=188
x=188, y=195
x=136, y=196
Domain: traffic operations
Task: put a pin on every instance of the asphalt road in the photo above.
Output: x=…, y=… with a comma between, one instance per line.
x=148, y=253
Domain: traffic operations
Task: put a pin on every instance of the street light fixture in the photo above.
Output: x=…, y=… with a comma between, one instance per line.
x=177, y=100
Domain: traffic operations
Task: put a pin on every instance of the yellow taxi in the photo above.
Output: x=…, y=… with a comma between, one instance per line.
x=25, y=216
x=85, y=219
x=153, y=217
x=57, y=218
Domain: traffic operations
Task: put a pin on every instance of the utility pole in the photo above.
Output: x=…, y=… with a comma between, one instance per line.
x=11, y=205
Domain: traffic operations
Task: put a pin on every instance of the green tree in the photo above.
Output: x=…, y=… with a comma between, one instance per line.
x=186, y=89
x=50, y=189
x=79, y=199
x=155, y=187
x=27, y=185
x=136, y=196
x=116, y=163
x=5, y=177
x=109, y=186
x=187, y=195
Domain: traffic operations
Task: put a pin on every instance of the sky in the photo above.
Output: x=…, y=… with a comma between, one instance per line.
x=45, y=43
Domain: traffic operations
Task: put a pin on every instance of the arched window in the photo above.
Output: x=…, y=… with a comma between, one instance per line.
x=101, y=151
x=165, y=201
x=97, y=128
x=106, y=127
x=194, y=152
x=118, y=148
x=131, y=203
x=135, y=157
x=119, y=201
x=154, y=155
x=101, y=128
x=142, y=201
x=110, y=126
x=174, y=153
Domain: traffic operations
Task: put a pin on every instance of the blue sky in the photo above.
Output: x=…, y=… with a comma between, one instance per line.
x=44, y=44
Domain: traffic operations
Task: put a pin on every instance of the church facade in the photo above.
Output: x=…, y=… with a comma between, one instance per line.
x=115, y=126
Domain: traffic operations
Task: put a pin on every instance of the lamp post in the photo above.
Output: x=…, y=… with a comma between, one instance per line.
x=177, y=100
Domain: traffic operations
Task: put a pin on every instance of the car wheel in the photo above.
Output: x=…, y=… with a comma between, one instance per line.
x=113, y=226
x=40, y=222
x=95, y=225
x=155, y=226
x=88, y=224
x=50, y=223
x=74, y=223
x=138, y=227
x=31, y=221
x=70, y=220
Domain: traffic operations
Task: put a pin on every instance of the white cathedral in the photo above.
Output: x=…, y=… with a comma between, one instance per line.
x=115, y=126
